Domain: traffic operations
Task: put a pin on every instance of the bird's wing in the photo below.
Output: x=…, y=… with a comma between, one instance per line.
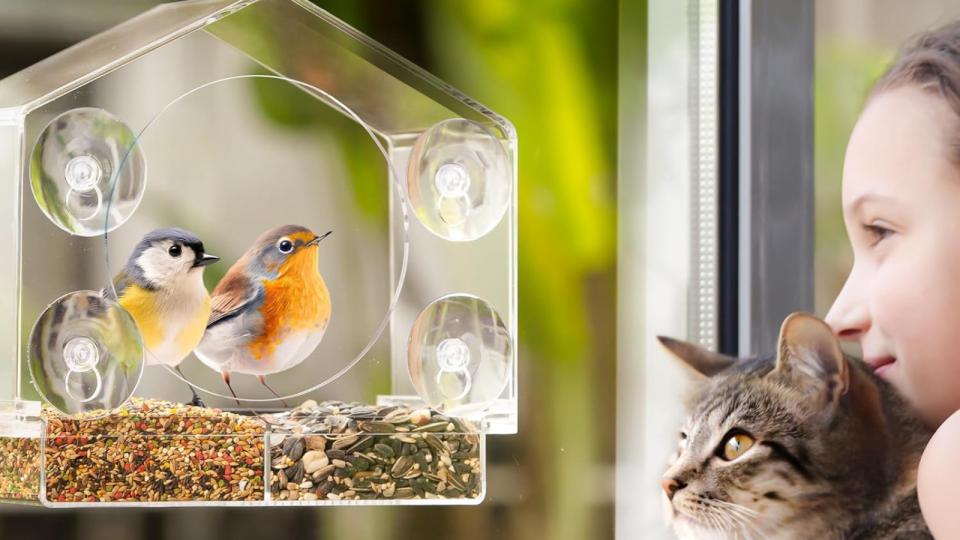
x=233, y=295
x=120, y=284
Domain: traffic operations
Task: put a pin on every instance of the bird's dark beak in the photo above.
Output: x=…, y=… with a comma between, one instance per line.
x=317, y=240
x=205, y=259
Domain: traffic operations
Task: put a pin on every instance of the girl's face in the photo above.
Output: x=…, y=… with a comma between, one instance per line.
x=901, y=206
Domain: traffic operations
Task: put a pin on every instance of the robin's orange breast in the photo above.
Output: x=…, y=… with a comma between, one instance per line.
x=292, y=303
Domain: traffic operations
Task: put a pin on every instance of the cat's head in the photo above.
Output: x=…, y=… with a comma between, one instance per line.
x=782, y=443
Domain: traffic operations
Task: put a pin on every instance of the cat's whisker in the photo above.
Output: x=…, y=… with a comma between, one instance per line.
x=712, y=519
x=755, y=528
x=739, y=508
x=737, y=524
x=742, y=519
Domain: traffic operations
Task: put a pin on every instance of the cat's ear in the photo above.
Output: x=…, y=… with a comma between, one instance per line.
x=810, y=356
x=702, y=361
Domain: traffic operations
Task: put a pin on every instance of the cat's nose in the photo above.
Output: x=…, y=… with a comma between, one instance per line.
x=671, y=486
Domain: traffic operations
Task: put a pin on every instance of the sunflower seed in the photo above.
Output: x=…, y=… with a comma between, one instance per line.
x=435, y=427
x=293, y=448
x=377, y=427
x=323, y=473
x=362, y=444
x=325, y=487
x=404, y=493
x=340, y=444
x=403, y=464
x=384, y=450
x=295, y=473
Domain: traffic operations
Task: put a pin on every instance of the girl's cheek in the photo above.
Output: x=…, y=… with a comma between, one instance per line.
x=892, y=303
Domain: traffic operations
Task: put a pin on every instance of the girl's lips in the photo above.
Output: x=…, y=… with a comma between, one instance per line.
x=881, y=364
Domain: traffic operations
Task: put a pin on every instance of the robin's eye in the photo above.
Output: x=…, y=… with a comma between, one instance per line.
x=285, y=246
x=175, y=251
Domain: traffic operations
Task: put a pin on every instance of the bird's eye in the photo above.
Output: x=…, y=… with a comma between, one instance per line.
x=735, y=446
x=175, y=251
x=285, y=246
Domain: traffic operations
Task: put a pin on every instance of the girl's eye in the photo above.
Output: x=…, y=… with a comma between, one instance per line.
x=877, y=231
x=735, y=446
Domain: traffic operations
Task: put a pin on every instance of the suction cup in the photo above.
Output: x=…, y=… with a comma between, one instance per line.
x=87, y=172
x=459, y=180
x=460, y=355
x=86, y=354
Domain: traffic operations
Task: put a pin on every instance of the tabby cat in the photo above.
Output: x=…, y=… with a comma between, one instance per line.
x=809, y=444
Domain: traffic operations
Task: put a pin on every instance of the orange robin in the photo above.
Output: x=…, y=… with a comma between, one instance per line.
x=271, y=309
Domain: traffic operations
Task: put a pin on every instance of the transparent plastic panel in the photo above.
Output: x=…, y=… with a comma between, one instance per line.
x=86, y=61
x=394, y=96
x=217, y=170
x=219, y=263
x=10, y=145
x=484, y=268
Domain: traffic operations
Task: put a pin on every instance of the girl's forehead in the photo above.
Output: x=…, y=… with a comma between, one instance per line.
x=900, y=150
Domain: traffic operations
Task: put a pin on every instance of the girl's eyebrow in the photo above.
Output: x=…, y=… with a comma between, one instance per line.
x=857, y=203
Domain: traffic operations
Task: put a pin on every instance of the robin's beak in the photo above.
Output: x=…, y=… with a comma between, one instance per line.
x=317, y=240
x=204, y=259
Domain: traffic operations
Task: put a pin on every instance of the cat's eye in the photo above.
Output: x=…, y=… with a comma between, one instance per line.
x=735, y=446
x=683, y=441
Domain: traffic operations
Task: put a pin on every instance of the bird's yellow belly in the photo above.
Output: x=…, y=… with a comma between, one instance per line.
x=169, y=338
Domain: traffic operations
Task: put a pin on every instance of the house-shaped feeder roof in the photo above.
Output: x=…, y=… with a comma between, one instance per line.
x=291, y=38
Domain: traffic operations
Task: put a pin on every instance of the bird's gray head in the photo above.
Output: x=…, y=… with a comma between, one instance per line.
x=276, y=248
x=165, y=257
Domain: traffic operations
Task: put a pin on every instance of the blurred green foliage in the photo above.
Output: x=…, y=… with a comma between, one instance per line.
x=844, y=72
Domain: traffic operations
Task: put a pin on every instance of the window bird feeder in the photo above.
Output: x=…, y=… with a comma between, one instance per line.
x=228, y=118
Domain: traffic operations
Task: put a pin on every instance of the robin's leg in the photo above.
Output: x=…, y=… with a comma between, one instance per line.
x=263, y=381
x=226, y=379
x=197, y=402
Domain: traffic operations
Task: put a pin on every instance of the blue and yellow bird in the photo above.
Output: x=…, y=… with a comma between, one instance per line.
x=162, y=288
x=271, y=309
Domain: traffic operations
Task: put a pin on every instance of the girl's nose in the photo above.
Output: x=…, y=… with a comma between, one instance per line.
x=850, y=316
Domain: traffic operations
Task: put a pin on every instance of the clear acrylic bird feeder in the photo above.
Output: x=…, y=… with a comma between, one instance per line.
x=229, y=118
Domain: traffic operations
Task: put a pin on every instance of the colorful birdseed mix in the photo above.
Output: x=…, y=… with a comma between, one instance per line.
x=155, y=451
x=20, y=469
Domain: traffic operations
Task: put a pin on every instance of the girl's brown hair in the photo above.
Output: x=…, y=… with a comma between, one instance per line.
x=931, y=63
